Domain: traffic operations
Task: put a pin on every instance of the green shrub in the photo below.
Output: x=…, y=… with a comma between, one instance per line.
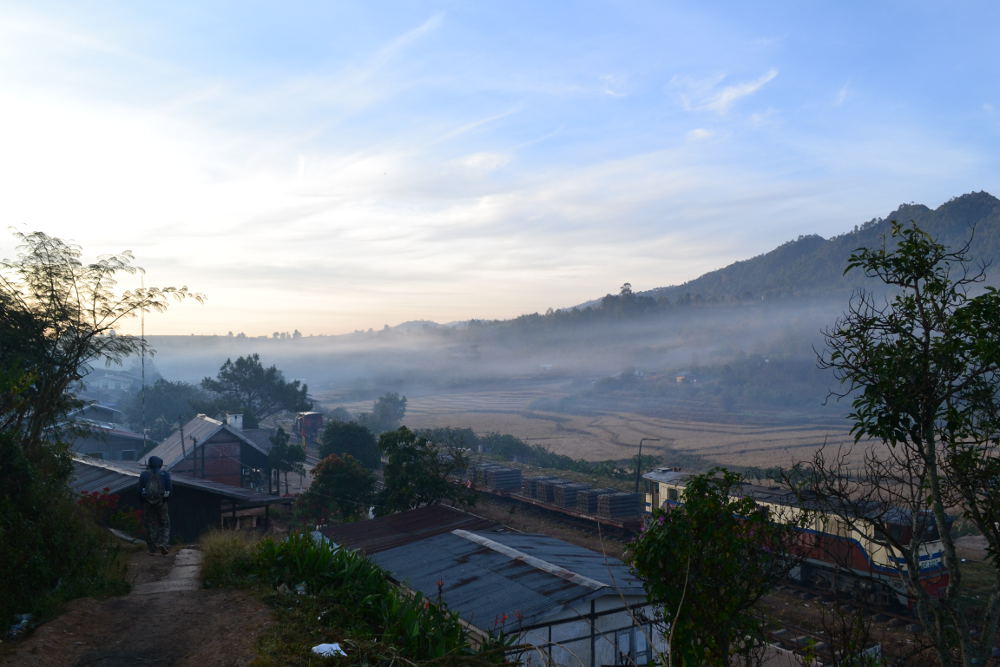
x=229, y=558
x=51, y=550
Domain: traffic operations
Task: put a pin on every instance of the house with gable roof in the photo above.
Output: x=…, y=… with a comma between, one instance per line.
x=196, y=505
x=207, y=448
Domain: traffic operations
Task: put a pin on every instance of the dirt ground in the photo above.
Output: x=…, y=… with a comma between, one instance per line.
x=198, y=628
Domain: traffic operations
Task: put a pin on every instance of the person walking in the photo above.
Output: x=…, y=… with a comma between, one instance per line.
x=154, y=489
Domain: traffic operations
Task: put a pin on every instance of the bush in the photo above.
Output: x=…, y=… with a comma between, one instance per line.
x=229, y=558
x=51, y=549
x=331, y=594
x=105, y=510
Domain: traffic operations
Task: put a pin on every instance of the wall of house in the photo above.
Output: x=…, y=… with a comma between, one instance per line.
x=614, y=634
x=217, y=459
x=192, y=511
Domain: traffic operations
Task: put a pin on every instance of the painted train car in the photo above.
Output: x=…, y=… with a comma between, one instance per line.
x=836, y=556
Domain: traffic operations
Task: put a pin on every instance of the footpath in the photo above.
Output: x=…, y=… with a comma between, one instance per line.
x=166, y=619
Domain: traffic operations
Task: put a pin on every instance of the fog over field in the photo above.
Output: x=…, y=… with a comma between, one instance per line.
x=424, y=358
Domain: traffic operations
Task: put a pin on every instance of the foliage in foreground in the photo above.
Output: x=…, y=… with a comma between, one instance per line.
x=707, y=563
x=342, y=490
x=416, y=473
x=57, y=318
x=325, y=594
x=922, y=369
x=51, y=550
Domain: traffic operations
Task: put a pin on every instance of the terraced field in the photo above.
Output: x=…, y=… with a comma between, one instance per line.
x=616, y=435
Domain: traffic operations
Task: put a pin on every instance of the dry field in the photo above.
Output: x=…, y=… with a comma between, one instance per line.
x=614, y=436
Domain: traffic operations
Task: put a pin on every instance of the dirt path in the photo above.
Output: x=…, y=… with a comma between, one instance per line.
x=166, y=620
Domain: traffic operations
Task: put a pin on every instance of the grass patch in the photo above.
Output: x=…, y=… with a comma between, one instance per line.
x=228, y=558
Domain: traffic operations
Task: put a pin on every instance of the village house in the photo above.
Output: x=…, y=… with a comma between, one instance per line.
x=109, y=443
x=210, y=449
x=196, y=505
x=97, y=432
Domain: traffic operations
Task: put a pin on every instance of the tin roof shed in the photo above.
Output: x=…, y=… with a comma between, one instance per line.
x=395, y=530
x=524, y=580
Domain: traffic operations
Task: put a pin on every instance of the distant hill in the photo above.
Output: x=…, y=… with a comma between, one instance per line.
x=813, y=266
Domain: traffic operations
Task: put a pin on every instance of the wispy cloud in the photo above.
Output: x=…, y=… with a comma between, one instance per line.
x=710, y=95
x=842, y=94
x=614, y=85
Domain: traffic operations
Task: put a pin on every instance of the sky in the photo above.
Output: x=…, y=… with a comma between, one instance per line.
x=334, y=166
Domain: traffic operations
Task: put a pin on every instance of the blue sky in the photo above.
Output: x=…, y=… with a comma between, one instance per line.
x=334, y=166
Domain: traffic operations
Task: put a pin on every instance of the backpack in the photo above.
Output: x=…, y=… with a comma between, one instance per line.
x=154, y=488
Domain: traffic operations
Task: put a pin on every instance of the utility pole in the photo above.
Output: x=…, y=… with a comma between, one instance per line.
x=638, y=461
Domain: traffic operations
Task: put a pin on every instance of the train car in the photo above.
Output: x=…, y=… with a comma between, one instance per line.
x=836, y=555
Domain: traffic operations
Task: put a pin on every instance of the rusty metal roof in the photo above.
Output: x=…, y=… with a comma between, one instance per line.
x=201, y=428
x=395, y=530
x=91, y=474
x=529, y=579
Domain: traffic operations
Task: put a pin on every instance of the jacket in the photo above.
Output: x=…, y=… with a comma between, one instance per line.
x=164, y=478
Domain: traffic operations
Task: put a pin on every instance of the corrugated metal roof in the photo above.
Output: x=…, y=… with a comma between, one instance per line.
x=96, y=474
x=201, y=428
x=395, y=530
x=528, y=578
x=260, y=437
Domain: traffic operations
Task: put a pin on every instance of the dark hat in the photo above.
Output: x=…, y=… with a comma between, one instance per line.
x=154, y=462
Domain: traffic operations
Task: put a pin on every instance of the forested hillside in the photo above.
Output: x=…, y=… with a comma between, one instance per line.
x=813, y=266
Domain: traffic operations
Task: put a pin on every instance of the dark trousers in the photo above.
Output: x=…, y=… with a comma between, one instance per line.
x=157, y=520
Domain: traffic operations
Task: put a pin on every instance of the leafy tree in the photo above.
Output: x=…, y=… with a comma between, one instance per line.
x=350, y=438
x=707, y=563
x=342, y=489
x=340, y=414
x=922, y=369
x=57, y=317
x=387, y=413
x=256, y=391
x=160, y=406
x=416, y=473
x=285, y=456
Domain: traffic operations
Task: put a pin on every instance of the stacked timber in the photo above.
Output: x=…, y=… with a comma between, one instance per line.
x=502, y=478
x=619, y=505
x=586, y=499
x=530, y=486
x=479, y=472
x=565, y=495
x=546, y=488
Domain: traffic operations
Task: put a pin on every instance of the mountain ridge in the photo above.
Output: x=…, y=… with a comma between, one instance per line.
x=811, y=265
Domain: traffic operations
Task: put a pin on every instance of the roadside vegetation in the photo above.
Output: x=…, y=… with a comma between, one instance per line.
x=58, y=317
x=323, y=594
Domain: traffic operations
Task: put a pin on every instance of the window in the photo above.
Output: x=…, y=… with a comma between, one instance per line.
x=631, y=647
x=672, y=494
x=128, y=455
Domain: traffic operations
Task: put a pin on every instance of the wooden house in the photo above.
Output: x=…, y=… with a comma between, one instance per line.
x=207, y=448
x=196, y=505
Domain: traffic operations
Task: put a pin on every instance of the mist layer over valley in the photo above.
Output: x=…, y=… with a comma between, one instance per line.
x=723, y=368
